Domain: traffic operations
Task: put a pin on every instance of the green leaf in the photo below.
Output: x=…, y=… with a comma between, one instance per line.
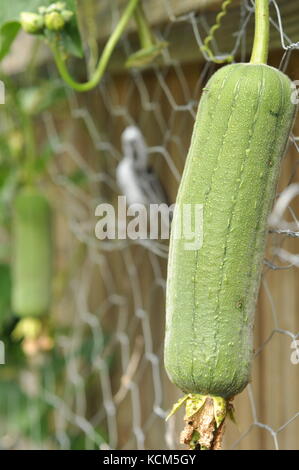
x=71, y=39
x=8, y=34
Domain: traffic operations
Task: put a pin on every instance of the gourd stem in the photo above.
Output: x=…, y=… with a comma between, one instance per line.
x=260, y=48
x=106, y=54
x=144, y=32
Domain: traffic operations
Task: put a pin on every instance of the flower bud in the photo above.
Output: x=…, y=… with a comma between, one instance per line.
x=54, y=21
x=31, y=22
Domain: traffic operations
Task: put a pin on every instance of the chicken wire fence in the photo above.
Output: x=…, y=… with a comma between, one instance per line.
x=103, y=385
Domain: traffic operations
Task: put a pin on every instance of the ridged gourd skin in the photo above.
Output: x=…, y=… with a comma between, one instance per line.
x=240, y=136
x=32, y=253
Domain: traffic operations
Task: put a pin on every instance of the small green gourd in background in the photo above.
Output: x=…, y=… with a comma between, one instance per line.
x=32, y=253
x=240, y=135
